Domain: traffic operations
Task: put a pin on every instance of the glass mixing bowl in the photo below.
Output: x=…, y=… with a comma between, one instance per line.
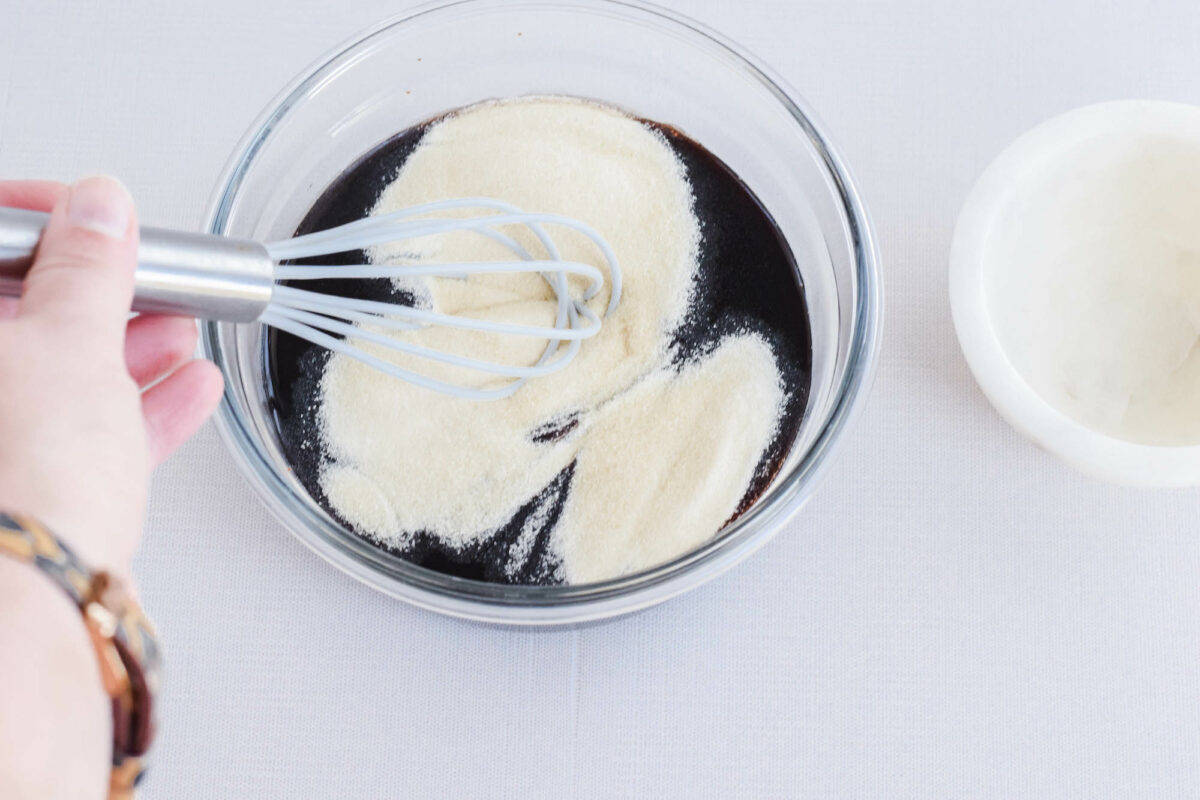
x=649, y=61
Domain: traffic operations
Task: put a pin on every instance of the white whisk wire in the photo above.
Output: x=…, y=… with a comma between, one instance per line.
x=337, y=323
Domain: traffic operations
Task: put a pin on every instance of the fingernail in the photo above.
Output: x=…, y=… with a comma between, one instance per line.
x=102, y=205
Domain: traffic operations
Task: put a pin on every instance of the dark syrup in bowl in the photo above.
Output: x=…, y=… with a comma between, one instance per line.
x=747, y=281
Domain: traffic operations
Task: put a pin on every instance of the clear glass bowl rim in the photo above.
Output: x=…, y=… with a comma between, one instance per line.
x=551, y=605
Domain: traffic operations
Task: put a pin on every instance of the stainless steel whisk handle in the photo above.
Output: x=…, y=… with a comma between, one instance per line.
x=194, y=274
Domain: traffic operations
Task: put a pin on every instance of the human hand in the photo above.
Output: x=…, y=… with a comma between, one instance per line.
x=82, y=418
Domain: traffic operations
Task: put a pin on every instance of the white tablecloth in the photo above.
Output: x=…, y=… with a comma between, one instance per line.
x=954, y=615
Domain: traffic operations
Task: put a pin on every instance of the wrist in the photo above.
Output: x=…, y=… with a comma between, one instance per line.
x=55, y=723
x=122, y=640
x=100, y=534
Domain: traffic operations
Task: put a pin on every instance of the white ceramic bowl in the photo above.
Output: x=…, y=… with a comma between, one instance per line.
x=1070, y=160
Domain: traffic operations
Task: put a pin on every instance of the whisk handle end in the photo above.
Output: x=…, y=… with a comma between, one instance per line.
x=197, y=275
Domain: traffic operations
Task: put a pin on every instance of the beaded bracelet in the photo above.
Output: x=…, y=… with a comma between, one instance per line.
x=123, y=640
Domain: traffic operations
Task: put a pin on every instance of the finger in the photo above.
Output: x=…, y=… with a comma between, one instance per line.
x=82, y=273
x=178, y=405
x=33, y=195
x=156, y=344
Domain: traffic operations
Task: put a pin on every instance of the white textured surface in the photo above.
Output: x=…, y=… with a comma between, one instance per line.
x=954, y=615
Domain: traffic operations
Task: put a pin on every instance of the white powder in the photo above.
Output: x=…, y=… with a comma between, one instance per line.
x=665, y=464
x=662, y=457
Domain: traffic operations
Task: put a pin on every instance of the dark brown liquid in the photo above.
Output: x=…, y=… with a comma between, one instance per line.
x=746, y=281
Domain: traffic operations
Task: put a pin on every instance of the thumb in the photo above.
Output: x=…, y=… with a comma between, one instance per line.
x=82, y=273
